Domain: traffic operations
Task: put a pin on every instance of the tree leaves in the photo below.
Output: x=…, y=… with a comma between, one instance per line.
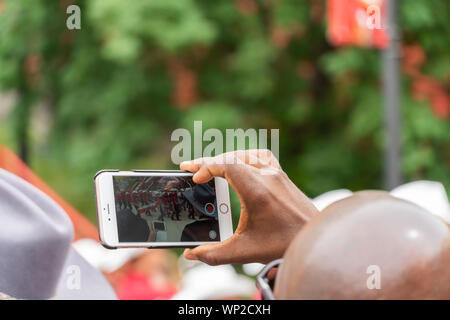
x=260, y=64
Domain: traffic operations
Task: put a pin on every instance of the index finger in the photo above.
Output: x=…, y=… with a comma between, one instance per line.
x=258, y=158
x=223, y=165
x=205, y=168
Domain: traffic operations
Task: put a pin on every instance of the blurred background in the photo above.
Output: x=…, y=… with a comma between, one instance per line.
x=109, y=95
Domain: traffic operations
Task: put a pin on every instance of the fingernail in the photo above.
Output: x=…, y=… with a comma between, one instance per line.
x=189, y=255
x=184, y=163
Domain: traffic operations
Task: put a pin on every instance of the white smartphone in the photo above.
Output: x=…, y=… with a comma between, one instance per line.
x=160, y=209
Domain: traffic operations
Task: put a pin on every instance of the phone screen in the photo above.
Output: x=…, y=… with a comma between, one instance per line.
x=165, y=209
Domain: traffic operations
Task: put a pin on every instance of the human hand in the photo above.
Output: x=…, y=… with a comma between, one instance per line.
x=273, y=209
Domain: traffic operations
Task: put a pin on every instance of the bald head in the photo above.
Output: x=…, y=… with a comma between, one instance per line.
x=368, y=240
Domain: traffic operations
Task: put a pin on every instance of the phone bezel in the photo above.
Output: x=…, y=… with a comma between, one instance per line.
x=106, y=210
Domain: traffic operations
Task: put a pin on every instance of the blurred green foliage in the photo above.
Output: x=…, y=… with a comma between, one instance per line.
x=263, y=64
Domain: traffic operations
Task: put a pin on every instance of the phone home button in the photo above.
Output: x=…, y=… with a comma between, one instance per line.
x=223, y=208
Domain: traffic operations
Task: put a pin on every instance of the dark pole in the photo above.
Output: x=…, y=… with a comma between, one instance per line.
x=391, y=89
x=22, y=125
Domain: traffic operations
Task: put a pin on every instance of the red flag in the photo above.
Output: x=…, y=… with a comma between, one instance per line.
x=357, y=23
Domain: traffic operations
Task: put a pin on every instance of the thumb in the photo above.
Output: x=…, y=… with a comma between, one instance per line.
x=215, y=253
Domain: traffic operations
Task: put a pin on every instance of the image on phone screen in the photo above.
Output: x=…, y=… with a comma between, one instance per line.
x=165, y=209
